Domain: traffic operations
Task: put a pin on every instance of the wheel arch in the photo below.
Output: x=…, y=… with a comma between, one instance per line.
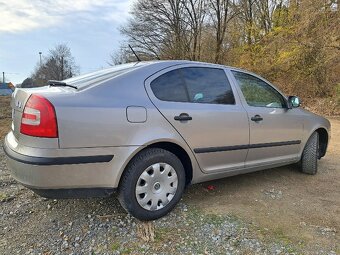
x=180, y=153
x=323, y=141
x=174, y=148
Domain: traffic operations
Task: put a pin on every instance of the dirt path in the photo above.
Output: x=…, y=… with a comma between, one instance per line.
x=282, y=202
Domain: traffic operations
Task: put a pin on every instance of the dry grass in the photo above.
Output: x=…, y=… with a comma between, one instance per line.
x=5, y=115
x=323, y=106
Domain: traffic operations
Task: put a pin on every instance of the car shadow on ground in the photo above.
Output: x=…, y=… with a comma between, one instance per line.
x=203, y=192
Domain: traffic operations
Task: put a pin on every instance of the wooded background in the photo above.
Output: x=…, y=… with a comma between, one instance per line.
x=293, y=44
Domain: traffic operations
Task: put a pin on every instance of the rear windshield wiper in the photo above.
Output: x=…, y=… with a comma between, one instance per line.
x=60, y=84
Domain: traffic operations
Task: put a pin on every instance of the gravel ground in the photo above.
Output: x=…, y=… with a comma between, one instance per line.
x=34, y=225
x=278, y=211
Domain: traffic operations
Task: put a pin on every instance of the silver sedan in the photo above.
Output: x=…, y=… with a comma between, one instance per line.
x=148, y=129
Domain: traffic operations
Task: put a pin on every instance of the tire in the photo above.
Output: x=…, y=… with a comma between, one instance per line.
x=309, y=159
x=151, y=174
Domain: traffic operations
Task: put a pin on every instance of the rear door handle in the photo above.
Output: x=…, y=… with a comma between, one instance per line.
x=183, y=117
x=256, y=118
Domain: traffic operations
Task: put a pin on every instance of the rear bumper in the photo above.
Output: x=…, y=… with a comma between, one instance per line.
x=50, y=161
x=74, y=193
x=59, y=173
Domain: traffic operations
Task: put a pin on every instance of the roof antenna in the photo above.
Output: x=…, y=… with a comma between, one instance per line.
x=134, y=53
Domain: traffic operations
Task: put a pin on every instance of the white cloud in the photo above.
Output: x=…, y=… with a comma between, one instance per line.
x=25, y=15
x=121, y=13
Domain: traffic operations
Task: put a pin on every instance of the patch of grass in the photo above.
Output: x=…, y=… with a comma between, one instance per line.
x=196, y=216
x=214, y=219
x=127, y=250
x=235, y=219
x=279, y=236
x=2, y=195
x=115, y=246
x=167, y=234
x=5, y=197
x=162, y=234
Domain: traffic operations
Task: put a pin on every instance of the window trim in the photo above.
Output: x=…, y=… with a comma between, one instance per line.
x=182, y=79
x=263, y=80
x=179, y=69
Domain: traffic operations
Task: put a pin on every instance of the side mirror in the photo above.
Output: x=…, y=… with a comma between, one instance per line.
x=293, y=102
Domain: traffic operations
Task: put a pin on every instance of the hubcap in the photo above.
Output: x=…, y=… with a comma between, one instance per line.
x=156, y=186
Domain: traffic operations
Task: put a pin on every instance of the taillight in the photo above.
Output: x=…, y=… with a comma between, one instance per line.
x=39, y=118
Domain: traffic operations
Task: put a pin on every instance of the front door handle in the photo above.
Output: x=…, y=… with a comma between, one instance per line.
x=256, y=118
x=183, y=117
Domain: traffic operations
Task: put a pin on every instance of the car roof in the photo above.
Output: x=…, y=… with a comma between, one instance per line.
x=141, y=64
x=179, y=62
x=89, y=79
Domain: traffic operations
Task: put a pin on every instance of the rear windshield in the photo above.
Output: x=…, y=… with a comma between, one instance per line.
x=89, y=79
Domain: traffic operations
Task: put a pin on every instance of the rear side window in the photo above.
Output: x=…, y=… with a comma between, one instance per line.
x=194, y=85
x=170, y=87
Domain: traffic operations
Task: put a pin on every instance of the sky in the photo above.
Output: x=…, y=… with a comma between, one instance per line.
x=89, y=27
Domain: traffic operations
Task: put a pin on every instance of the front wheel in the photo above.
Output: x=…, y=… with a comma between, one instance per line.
x=152, y=184
x=310, y=154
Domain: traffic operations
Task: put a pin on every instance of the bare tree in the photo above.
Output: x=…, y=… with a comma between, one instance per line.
x=196, y=11
x=247, y=15
x=166, y=28
x=121, y=56
x=27, y=83
x=272, y=37
x=125, y=55
x=221, y=13
x=58, y=65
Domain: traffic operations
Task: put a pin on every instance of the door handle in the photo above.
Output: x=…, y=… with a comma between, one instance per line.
x=256, y=118
x=183, y=117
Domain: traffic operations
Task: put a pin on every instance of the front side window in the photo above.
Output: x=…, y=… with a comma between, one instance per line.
x=194, y=85
x=257, y=92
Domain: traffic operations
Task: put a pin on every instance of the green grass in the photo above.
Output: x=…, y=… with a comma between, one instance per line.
x=279, y=236
x=162, y=234
x=214, y=219
x=3, y=196
x=115, y=246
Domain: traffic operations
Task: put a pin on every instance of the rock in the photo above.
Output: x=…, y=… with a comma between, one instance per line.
x=64, y=245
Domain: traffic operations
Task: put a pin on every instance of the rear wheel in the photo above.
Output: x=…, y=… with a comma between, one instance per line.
x=309, y=159
x=152, y=184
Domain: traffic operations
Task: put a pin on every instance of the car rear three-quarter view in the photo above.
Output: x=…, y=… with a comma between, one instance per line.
x=149, y=129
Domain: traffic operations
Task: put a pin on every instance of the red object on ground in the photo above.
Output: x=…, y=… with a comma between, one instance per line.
x=211, y=187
